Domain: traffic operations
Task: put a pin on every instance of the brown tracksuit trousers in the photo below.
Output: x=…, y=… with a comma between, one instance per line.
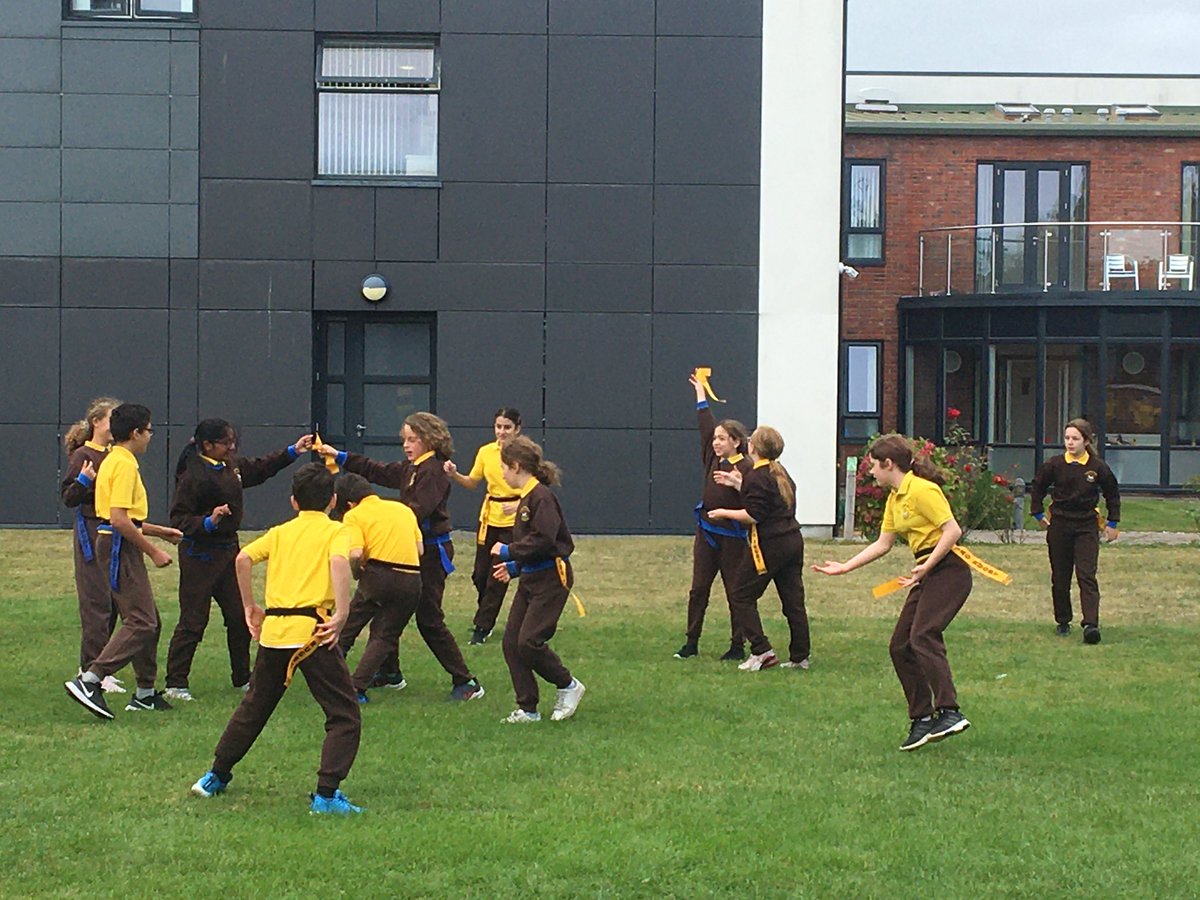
x=1074, y=546
x=784, y=559
x=97, y=612
x=387, y=598
x=707, y=561
x=136, y=641
x=491, y=592
x=200, y=582
x=532, y=621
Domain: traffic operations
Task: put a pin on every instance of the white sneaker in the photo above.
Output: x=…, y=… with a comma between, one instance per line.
x=566, y=700
x=792, y=664
x=242, y=687
x=112, y=685
x=756, y=661
x=521, y=717
x=179, y=694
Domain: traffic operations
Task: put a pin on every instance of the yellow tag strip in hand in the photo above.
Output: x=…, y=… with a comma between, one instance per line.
x=888, y=587
x=987, y=570
x=579, y=607
x=330, y=462
x=702, y=375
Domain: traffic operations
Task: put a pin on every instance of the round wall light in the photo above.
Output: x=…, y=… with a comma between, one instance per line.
x=374, y=288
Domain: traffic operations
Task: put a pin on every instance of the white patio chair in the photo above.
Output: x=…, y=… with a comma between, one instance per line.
x=1118, y=265
x=1179, y=266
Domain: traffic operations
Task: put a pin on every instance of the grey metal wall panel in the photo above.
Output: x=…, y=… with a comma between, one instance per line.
x=185, y=227
x=504, y=287
x=677, y=480
x=406, y=224
x=31, y=281
x=29, y=173
x=492, y=222
x=155, y=466
x=411, y=16
x=258, y=86
x=29, y=364
x=706, y=224
x=29, y=229
x=185, y=68
x=599, y=223
x=593, y=287
x=413, y=287
x=113, y=283
x=29, y=64
x=254, y=366
x=184, y=366
x=511, y=16
x=469, y=385
x=708, y=109
x=267, y=504
x=276, y=15
x=30, y=19
x=597, y=370
x=716, y=17
x=35, y=452
x=610, y=17
x=344, y=15
x=185, y=176
x=706, y=288
x=591, y=458
x=116, y=67
x=185, y=283
x=601, y=109
x=343, y=222
x=253, y=285
x=185, y=123
x=492, y=112
x=101, y=342
x=726, y=343
x=464, y=504
x=115, y=229
x=116, y=176
x=30, y=120
x=137, y=122
x=254, y=219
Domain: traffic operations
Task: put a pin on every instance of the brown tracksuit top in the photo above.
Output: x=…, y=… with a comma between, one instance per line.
x=1075, y=488
x=423, y=486
x=202, y=487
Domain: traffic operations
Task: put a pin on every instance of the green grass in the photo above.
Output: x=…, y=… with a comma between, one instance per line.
x=1159, y=514
x=1079, y=777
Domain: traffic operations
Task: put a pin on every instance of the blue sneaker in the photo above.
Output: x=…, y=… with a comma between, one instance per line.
x=209, y=785
x=362, y=697
x=339, y=805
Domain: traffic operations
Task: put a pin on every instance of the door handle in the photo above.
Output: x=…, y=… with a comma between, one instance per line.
x=360, y=430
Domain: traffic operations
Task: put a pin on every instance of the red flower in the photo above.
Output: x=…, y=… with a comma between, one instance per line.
x=953, y=413
x=951, y=460
x=1008, y=498
x=967, y=467
x=1000, y=480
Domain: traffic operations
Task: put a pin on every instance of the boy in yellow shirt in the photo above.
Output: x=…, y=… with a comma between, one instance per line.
x=307, y=599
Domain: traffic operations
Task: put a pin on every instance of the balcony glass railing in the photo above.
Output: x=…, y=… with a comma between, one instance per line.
x=1026, y=257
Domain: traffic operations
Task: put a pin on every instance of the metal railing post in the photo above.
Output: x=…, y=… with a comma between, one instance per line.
x=949, y=239
x=921, y=267
x=994, y=259
x=1046, y=262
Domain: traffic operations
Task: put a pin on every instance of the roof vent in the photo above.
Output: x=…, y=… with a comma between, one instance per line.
x=876, y=106
x=1048, y=112
x=1017, y=109
x=1068, y=111
x=1102, y=111
x=1143, y=111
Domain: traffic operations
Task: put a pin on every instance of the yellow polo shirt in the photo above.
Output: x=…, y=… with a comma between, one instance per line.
x=487, y=467
x=298, y=573
x=916, y=511
x=119, y=484
x=385, y=530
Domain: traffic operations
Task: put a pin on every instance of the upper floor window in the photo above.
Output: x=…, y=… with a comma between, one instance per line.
x=1190, y=207
x=862, y=211
x=377, y=108
x=862, y=389
x=131, y=9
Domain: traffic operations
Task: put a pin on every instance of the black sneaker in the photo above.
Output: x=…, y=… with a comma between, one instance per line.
x=393, y=680
x=1063, y=629
x=156, y=702
x=90, y=696
x=687, y=651
x=948, y=723
x=478, y=636
x=468, y=690
x=918, y=735
x=1091, y=634
x=735, y=653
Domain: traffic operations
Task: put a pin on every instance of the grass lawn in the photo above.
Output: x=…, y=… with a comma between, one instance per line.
x=1159, y=513
x=1079, y=777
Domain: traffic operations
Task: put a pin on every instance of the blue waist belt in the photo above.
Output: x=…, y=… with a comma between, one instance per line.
x=442, y=540
x=733, y=529
x=114, y=558
x=192, y=548
x=85, y=540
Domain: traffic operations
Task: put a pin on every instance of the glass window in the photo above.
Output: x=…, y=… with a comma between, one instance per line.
x=135, y=9
x=963, y=388
x=396, y=349
x=1190, y=207
x=862, y=211
x=920, y=397
x=377, y=109
x=1133, y=395
x=1185, y=395
x=1014, y=394
x=984, y=246
x=1070, y=388
x=861, y=390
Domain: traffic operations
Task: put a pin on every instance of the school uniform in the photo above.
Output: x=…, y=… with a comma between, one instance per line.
x=776, y=554
x=389, y=586
x=424, y=487
x=97, y=613
x=1074, y=485
x=719, y=545
x=299, y=594
x=540, y=556
x=495, y=526
x=119, y=484
x=916, y=511
x=207, y=554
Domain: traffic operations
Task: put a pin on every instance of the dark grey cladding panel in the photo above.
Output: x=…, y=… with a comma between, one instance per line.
x=469, y=385
x=29, y=173
x=29, y=229
x=726, y=343
x=705, y=288
x=601, y=109
x=184, y=366
x=116, y=176
x=409, y=16
x=28, y=281
x=98, y=120
x=185, y=176
x=267, y=504
x=515, y=16
x=23, y=19
x=278, y=14
x=255, y=285
x=706, y=224
x=709, y=134
x=499, y=287
x=30, y=120
x=412, y=287
x=406, y=224
x=116, y=229
x=185, y=283
x=29, y=364
x=185, y=123
x=157, y=467
x=597, y=370
x=464, y=504
x=610, y=17
x=592, y=458
x=599, y=223
x=492, y=111
x=99, y=345
x=677, y=482
x=255, y=366
x=116, y=67
x=343, y=222
x=113, y=283
x=29, y=64
x=492, y=222
x=36, y=452
x=716, y=17
x=185, y=68
x=598, y=287
x=344, y=15
x=255, y=219
x=185, y=228
x=256, y=111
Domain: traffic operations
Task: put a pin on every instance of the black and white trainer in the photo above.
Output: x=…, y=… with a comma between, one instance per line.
x=156, y=702
x=918, y=735
x=89, y=695
x=948, y=723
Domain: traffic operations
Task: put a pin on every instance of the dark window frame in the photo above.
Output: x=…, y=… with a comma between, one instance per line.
x=844, y=413
x=132, y=12
x=881, y=230
x=1189, y=239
